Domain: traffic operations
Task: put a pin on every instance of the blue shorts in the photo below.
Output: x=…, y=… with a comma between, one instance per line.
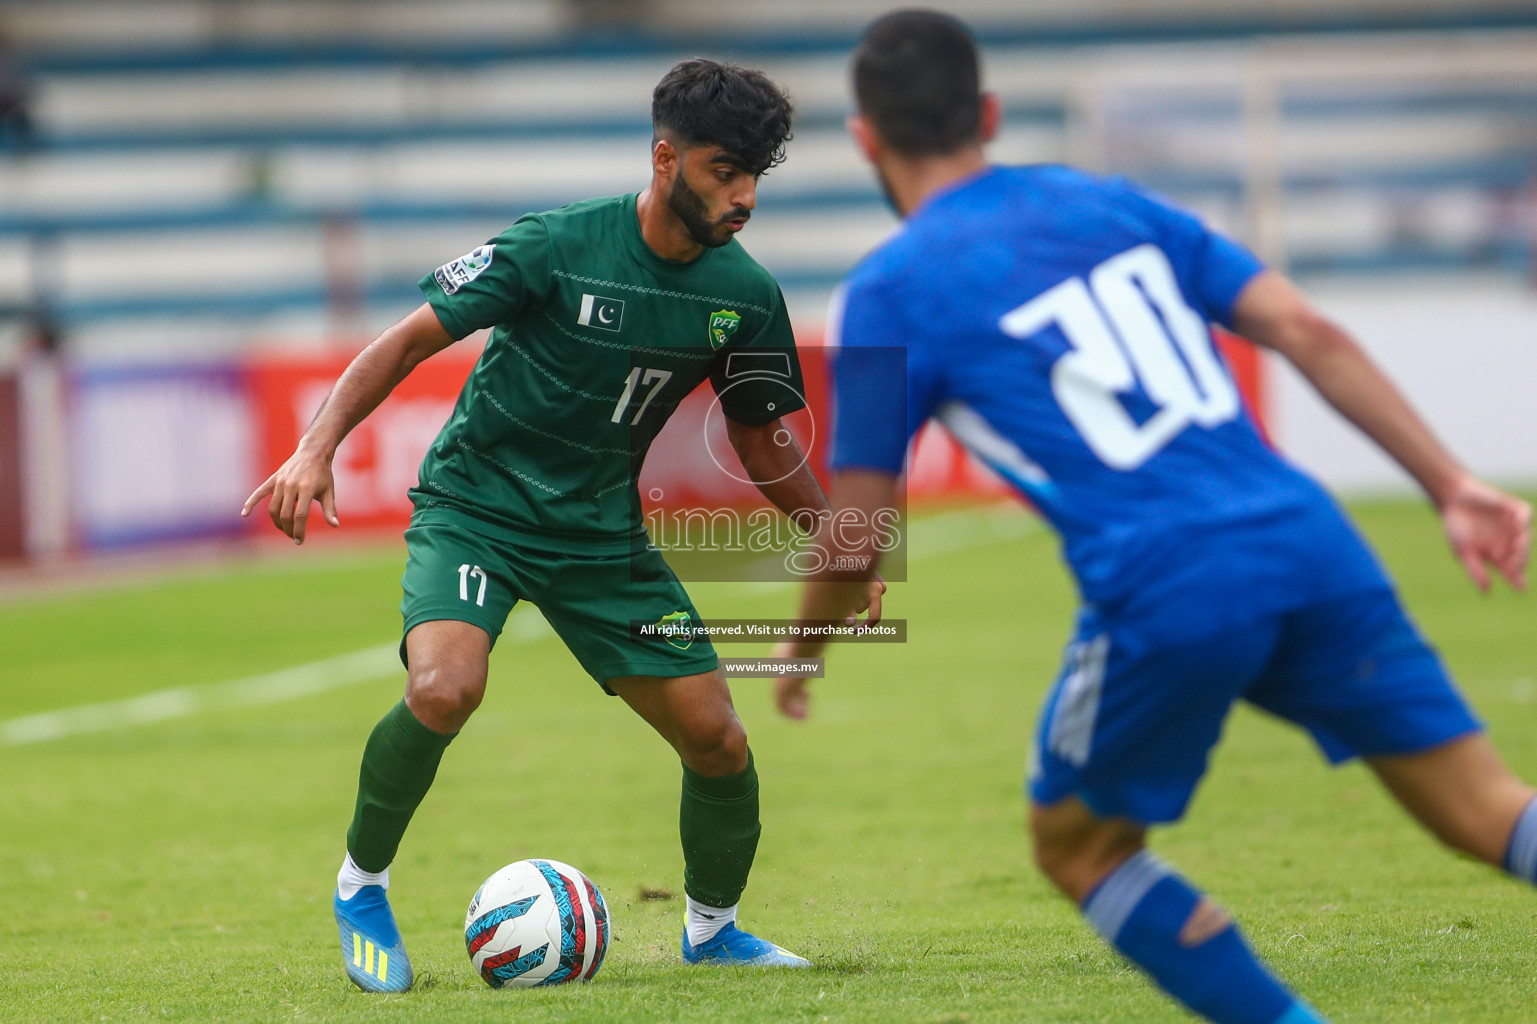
x=1129, y=725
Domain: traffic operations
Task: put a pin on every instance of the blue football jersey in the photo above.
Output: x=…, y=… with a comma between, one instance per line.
x=1059, y=325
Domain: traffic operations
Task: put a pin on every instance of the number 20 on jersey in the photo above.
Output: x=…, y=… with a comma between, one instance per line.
x=1128, y=325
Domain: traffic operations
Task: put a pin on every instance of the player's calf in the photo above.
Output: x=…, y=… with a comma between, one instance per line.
x=1465, y=795
x=694, y=714
x=718, y=822
x=1179, y=936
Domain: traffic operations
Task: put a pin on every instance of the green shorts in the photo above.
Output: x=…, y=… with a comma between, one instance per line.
x=457, y=570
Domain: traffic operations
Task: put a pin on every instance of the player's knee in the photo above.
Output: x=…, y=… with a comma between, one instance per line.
x=716, y=747
x=1061, y=862
x=1077, y=856
x=444, y=696
x=1078, y=870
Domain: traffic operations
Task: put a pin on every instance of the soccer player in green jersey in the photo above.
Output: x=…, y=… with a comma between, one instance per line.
x=604, y=315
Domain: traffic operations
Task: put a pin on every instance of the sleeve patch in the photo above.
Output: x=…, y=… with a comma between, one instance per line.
x=457, y=273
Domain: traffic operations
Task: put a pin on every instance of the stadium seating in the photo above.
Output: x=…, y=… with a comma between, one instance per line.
x=299, y=190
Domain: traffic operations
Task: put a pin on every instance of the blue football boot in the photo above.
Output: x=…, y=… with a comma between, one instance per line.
x=372, y=951
x=732, y=947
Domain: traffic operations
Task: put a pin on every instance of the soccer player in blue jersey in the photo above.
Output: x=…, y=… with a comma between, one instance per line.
x=1058, y=323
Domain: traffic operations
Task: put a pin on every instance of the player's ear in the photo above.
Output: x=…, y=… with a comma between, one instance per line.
x=664, y=159
x=991, y=117
x=865, y=137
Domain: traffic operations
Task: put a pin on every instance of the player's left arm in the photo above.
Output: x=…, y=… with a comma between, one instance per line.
x=780, y=470
x=883, y=389
x=850, y=540
x=1485, y=526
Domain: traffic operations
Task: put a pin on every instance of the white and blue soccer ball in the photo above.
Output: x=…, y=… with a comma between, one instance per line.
x=536, y=922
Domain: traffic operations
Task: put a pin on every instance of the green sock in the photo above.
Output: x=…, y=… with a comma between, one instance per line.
x=718, y=822
x=399, y=763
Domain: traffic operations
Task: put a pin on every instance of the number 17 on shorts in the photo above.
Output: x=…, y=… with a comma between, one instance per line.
x=468, y=574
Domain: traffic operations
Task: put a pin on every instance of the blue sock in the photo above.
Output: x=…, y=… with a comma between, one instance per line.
x=1521, y=854
x=1142, y=908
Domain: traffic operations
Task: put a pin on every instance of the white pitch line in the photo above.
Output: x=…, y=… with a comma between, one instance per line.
x=268, y=688
x=179, y=702
x=942, y=534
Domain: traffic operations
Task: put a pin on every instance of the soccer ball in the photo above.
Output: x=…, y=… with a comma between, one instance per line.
x=536, y=922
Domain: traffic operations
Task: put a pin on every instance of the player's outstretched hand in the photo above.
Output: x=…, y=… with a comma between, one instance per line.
x=870, y=602
x=1488, y=527
x=792, y=698
x=300, y=482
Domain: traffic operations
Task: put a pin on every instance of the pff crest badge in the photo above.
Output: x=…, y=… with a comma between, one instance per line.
x=678, y=629
x=723, y=324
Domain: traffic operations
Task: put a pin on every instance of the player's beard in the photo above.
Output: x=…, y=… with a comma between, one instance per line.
x=695, y=215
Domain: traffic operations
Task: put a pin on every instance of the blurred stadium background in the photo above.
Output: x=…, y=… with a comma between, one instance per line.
x=206, y=206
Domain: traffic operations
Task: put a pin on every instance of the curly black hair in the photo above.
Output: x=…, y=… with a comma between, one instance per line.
x=705, y=102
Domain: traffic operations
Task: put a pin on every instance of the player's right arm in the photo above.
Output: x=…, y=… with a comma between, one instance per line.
x=1485, y=526
x=306, y=477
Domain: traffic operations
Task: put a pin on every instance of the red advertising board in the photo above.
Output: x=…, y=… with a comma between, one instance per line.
x=377, y=462
x=690, y=464
x=1249, y=371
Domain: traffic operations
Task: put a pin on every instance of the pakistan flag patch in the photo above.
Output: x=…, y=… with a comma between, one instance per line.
x=723, y=324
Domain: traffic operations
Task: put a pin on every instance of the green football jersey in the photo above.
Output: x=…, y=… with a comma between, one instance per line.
x=595, y=340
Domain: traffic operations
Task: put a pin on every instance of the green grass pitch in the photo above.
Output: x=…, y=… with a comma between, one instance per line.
x=182, y=870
